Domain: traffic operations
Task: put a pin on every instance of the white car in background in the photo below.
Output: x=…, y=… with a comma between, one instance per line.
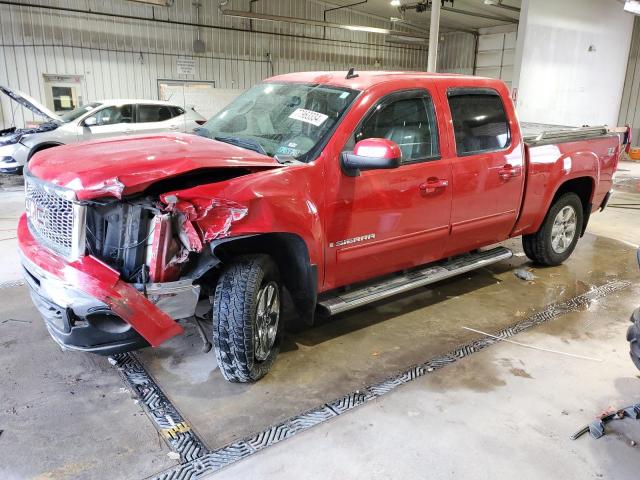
x=100, y=119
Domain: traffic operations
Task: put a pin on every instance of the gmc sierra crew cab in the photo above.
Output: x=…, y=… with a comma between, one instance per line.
x=318, y=191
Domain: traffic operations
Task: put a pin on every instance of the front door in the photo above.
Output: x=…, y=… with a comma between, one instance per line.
x=487, y=169
x=389, y=220
x=107, y=122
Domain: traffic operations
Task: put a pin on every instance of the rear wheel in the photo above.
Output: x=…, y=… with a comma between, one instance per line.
x=559, y=233
x=247, y=327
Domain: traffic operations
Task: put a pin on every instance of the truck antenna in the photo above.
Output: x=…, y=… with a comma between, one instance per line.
x=351, y=74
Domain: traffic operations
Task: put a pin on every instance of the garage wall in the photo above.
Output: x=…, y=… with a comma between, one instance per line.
x=630, y=105
x=124, y=58
x=573, y=61
x=496, y=51
x=456, y=53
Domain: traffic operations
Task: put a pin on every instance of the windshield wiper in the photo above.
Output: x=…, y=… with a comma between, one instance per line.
x=243, y=143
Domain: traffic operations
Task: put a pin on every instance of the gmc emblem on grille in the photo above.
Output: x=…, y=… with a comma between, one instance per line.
x=34, y=213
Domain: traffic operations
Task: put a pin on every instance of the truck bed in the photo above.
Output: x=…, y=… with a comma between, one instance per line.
x=535, y=134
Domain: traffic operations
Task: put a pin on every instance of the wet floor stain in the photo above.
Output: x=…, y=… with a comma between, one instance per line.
x=520, y=372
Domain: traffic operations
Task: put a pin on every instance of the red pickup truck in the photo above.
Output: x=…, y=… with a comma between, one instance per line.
x=319, y=191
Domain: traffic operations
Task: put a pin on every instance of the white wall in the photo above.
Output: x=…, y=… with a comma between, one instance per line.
x=495, y=54
x=560, y=81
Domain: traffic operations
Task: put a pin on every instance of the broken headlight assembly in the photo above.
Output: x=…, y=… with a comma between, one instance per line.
x=9, y=137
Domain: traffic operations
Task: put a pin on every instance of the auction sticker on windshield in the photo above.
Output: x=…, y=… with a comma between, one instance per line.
x=309, y=116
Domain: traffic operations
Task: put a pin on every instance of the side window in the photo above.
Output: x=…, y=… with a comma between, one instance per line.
x=479, y=121
x=113, y=115
x=410, y=122
x=153, y=113
x=176, y=111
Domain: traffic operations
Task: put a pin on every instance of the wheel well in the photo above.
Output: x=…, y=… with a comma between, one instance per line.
x=583, y=187
x=291, y=255
x=42, y=146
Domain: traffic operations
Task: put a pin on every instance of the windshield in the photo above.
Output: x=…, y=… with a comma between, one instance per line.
x=81, y=110
x=287, y=119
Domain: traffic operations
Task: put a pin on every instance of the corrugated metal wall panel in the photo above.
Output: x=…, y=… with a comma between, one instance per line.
x=456, y=53
x=495, y=55
x=125, y=57
x=630, y=103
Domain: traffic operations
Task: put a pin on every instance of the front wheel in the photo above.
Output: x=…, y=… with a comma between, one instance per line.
x=559, y=233
x=247, y=328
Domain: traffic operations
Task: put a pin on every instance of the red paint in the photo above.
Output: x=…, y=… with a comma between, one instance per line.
x=377, y=147
x=416, y=213
x=166, y=253
x=102, y=282
x=212, y=216
x=127, y=165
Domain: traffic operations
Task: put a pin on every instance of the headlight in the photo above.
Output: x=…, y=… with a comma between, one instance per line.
x=11, y=139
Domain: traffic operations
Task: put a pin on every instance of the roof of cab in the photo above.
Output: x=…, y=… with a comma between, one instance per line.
x=364, y=80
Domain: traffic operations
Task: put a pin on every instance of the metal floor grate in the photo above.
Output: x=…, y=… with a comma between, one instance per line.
x=205, y=463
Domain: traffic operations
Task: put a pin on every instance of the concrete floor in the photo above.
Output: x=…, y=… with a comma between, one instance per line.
x=63, y=415
x=499, y=413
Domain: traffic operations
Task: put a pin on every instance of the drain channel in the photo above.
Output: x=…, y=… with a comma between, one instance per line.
x=207, y=463
x=165, y=417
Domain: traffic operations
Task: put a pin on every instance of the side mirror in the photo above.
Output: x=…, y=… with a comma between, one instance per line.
x=371, y=154
x=90, y=122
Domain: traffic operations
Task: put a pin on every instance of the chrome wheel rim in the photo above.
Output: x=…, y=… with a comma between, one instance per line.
x=563, y=230
x=267, y=318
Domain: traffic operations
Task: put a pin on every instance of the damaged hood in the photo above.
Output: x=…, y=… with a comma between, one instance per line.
x=128, y=165
x=30, y=104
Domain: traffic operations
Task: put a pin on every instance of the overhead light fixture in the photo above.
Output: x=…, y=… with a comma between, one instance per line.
x=159, y=3
x=396, y=38
x=362, y=28
x=395, y=3
x=395, y=19
x=491, y=2
x=632, y=6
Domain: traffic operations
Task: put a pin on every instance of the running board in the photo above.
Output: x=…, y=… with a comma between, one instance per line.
x=338, y=302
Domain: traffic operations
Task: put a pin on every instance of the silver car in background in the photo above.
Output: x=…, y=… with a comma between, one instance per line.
x=95, y=120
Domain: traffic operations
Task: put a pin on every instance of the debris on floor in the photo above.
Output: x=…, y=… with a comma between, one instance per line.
x=596, y=428
x=533, y=347
x=523, y=274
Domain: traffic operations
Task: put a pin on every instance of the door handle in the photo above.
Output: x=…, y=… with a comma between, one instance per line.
x=173, y=127
x=128, y=130
x=509, y=171
x=432, y=185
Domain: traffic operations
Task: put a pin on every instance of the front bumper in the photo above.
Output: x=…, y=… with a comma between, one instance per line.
x=77, y=321
x=13, y=158
x=85, y=304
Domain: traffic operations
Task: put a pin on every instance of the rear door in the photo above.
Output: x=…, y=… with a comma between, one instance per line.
x=388, y=220
x=487, y=168
x=153, y=118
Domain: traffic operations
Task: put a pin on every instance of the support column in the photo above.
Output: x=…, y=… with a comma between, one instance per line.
x=434, y=35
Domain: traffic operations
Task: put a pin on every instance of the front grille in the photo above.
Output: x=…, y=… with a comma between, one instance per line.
x=52, y=218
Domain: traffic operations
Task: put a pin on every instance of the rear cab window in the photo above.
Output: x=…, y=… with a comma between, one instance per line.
x=407, y=118
x=480, y=122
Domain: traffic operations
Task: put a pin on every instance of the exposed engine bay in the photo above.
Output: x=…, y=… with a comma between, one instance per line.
x=151, y=241
x=13, y=135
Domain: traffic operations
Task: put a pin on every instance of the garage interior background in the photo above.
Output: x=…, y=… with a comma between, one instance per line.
x=123, y=49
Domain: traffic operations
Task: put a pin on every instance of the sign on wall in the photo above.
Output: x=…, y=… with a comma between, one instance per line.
x=186, y=65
